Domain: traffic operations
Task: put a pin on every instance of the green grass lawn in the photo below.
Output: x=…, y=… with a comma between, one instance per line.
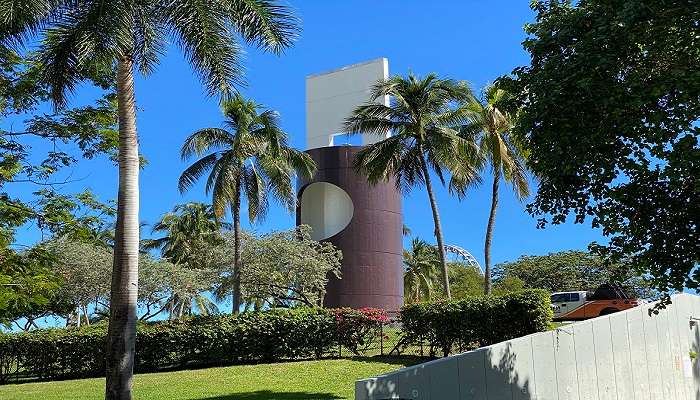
x=303, y=380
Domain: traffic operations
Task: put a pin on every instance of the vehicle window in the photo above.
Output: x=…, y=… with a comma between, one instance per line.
x=561, y=297
x=574, y=297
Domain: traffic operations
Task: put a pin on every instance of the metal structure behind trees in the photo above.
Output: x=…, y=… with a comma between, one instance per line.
x=466, y=256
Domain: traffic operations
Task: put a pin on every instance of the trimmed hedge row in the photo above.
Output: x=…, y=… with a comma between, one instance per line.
x=474, y=322
x=216, y=340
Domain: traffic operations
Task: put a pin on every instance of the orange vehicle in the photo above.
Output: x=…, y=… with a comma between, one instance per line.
x=580, y=305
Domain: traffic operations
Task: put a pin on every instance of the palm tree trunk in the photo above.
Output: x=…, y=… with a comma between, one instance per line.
x=438, y=228
x=237, y=249
x=121, y=336
x=489, y=233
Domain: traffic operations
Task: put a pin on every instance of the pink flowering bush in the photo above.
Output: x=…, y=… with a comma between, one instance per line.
x=359, y=329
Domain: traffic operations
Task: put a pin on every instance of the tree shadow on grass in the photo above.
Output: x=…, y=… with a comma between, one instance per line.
x=405, y=361
x=273, y=395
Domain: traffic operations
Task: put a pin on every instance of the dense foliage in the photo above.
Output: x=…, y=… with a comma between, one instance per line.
x=32, y=161
x=204, y=340
x=571, y=270
x=609, y=109
x=472, y=322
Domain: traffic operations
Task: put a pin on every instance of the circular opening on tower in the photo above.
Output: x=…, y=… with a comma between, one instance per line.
x=326, y=208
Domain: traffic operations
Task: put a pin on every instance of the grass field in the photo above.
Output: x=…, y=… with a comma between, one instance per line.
x=303, y=380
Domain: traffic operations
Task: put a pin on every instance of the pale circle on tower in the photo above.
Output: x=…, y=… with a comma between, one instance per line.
x=326, y=208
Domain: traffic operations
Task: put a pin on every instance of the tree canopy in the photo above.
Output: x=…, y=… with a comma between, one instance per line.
x=609, y=108
x=571, y=270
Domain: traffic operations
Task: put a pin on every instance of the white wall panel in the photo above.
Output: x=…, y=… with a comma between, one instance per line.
x=605, y=367
x=584, y=345
x=444, y=379
x=651, y=340
x=621, y=356
x=637, y=341
x=472, y=374
x=332, y=96
x=545, y=366
x=500, y=362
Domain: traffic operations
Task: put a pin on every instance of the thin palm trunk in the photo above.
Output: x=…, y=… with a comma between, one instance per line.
x=121, y=337
x=489, y=233
x=237, y=249
x=438, y=228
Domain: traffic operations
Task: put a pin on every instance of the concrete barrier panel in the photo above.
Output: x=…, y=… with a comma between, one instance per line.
x=472, y=374
x=500, y=362
x=545, y=366
x=564, y=357
x=605, y=367
x=444, y=379
x=584, y=345
x=622, y=358
x=627, y=355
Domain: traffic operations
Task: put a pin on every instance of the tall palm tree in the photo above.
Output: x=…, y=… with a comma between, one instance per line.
x=421, y=117
x=186, y=227
x=490, y=127
x=420, y=266
x=251, y=159
x=82, y=35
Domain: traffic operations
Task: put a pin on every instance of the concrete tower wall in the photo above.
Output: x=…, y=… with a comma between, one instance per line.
x=372, y=274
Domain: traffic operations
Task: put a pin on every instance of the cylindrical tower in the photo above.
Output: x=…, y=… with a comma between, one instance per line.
x=363, y=221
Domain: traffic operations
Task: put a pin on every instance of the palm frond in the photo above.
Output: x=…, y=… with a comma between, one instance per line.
x=255, y=193
x=205, y=140
x=149, y=35
x=195, y=171
x=21, y=20
x=89, y=34
x=268, y=25
x=201, y=29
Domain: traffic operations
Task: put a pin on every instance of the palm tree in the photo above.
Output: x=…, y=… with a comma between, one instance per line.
x=81, y=36
x=186, y=228
x=421, y=263
x=421, y=116
x=490, y=126
x=251, y=159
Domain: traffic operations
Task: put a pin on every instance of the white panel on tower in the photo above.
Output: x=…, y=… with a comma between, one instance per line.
x=332, y=96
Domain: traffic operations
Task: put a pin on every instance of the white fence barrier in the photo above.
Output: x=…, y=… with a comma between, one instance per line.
x=627, y=355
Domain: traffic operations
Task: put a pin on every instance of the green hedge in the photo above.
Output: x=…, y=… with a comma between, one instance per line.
x=476, y=321
x=217, y=340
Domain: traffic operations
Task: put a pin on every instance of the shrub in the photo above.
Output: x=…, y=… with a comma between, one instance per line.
x=215, y=340
x=476, y=321
x=357, y=329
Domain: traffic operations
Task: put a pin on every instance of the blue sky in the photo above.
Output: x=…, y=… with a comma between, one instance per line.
x=472, y=40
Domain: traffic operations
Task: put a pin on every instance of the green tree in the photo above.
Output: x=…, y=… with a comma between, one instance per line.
x=28, y=287
x=84, y=269
x=610, y=105
x=175, y=290
x=490, y=127
x=187, y=229
x=571, y=270
x=422, y=119
x=252, y=159
x=78, y=36
x=421, y=263
x=287, y=268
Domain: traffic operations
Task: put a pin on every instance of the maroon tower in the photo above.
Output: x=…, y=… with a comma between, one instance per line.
x=363, y=221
